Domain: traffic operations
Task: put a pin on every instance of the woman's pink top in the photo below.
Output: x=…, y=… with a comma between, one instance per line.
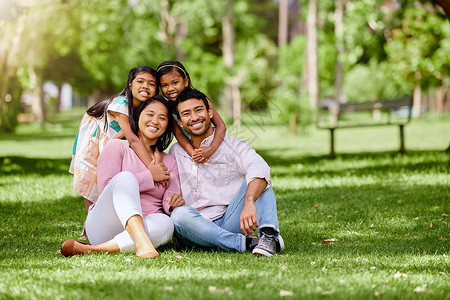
x=117, y=156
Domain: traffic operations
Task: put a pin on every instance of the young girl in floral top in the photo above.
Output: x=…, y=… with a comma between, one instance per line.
x=109, y=119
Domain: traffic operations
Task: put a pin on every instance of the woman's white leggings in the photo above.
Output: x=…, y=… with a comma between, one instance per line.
x=119, y=201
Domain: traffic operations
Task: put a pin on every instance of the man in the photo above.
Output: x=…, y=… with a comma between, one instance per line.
x=227, y=198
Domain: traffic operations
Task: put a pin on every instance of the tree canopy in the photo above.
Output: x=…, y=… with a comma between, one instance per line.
x=92, y=44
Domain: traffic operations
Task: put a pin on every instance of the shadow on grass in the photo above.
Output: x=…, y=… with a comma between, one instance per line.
x=45, y=225
x=275, y=159
x=47, y=137
x=14, y=165
x=372, y=163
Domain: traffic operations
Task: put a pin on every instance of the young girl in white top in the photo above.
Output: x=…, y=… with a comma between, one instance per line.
x=109, y=119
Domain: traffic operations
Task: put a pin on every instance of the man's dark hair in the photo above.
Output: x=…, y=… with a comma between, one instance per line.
x=189, y=93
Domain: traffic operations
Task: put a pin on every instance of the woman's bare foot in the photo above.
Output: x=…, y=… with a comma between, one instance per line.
x=147, y=252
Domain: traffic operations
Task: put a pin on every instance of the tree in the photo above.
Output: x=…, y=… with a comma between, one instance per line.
x=283, y=22
x=418, y=49
x=311, y=55
x=339, y=40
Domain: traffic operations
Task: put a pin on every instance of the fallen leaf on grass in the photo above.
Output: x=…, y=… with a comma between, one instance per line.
x=286, y=293
x=330, y=241
x=431, y=225
x=398, y=274
x=443, y=239
x=421, y=288
x=225, y=290
x=377, y=294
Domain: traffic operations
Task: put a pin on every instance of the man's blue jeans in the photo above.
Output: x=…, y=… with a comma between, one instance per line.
x=193, y=229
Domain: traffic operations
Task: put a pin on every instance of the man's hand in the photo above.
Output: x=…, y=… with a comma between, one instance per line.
x=159, y=172
x=247, y=220
x=175, y=200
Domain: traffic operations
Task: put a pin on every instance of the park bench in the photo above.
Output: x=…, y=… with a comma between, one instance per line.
x=396, y=112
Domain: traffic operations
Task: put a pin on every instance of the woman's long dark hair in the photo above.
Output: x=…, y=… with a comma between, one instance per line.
x=166, y=138
x=99, y=110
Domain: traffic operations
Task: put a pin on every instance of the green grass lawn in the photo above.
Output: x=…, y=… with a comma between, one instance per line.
x=390, y=215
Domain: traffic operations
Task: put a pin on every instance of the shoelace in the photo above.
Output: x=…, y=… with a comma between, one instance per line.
x=266, y=241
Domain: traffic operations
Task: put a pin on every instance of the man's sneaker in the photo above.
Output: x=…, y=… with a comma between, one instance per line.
x=254, y=240
x=268, y=245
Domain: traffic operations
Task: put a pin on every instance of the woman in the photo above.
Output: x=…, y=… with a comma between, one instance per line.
x=131, y=213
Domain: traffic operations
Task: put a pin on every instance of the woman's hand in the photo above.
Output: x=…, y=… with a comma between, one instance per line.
x=175, y=200
x=159, y=172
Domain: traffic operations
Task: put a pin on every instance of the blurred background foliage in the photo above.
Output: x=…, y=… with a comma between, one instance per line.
x=388, y=49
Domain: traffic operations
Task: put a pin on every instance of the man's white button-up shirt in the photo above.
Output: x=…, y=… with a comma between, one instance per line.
x=211, y=186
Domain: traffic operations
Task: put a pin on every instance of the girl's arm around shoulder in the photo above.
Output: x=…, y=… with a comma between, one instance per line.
x=158, y=170
x=135, y=143
x=182, y=140
x=219, y=134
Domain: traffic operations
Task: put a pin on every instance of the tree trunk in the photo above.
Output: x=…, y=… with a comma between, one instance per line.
x=167, y=23
x=440, y=96
x=227, y=50
x=38, y=105
x=298, y=27
x=182, y=32
x=93, y=98
x=283, y=22
x=57, y=105
x=447, y=100
x=417, y=96
x=7, y=67
x=311, y=55
x=339, y=36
